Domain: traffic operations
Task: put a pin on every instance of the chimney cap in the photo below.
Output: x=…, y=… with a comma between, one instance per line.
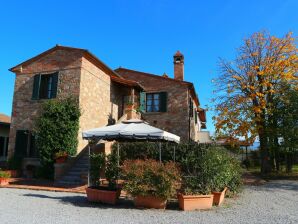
x=178, y=53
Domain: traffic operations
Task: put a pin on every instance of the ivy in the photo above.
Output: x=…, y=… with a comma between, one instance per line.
x=56, y=130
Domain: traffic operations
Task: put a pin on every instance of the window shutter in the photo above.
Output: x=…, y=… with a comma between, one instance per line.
x=196, y=117
x=142, y=101
x=55, y=78
x=163, y=101
x=36, y=84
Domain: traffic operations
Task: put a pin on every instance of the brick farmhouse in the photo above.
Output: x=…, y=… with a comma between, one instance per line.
x=103, y=95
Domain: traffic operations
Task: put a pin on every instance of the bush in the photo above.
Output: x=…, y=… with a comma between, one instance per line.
x=112, y=170
x=150, y=178
x=224, y=170
x=209, y=169
x=150, y=150
x=4, y=174
x=57, y=130
x=109, y=163
x=97, y=162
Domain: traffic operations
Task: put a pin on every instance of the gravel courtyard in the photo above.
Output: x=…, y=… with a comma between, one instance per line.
x=274, y=202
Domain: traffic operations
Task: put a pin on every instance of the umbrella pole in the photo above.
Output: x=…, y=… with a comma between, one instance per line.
x=118, y=153
x=160, y=152
x=174, y=153
x=118, y=158
x=89, y=164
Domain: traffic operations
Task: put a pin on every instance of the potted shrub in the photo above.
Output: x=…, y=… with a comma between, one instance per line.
x=101, y=193
x=224, y=171
x=61, y=156
x=14, y=166
x=150, y=182
x=195, y=192
x=4, y=178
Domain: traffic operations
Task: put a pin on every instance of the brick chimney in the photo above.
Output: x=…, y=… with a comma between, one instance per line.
x=179, y=66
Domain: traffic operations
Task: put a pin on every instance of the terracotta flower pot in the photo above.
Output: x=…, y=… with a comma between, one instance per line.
x=219, y=196
x=3, y=181
x=194, y=202
x=103, y=195
x=13, y=173
x=61, y=159
x=150, y=202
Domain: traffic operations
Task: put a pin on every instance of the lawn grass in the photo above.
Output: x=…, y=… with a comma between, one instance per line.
x=282, y=175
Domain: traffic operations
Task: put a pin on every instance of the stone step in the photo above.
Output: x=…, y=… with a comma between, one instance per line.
x=76, y=173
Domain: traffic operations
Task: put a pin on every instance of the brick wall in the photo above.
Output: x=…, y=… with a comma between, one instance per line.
x=176, y=119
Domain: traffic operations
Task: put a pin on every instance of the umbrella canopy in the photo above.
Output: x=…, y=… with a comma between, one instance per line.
x=133, y=129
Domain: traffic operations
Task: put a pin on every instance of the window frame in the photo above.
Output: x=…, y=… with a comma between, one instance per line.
x=162, y=102
x=45, y=86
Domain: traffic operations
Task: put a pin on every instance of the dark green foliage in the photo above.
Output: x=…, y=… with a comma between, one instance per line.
x=204, y=167
x=57, y=130
x=14, y=163
x=112, y=170
x=97, y=162
x=100, y=163
x=150, y=150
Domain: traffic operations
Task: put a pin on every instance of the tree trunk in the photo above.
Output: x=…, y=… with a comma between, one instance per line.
x=289, y=162
x=265, y=160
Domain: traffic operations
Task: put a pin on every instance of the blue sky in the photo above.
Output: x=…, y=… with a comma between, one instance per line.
x=141, y=35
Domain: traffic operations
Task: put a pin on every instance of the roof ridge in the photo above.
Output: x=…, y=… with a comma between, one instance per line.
x=159, y=76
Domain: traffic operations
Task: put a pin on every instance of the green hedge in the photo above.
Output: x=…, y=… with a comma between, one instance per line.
x=204, y=167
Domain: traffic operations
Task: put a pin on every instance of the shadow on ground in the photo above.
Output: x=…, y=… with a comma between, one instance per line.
x=280, y=185
x=81, y=201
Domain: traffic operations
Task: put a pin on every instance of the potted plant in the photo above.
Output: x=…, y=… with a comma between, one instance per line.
x=129, y=105
x=61, y=156
x=98, y=192
x=150, y=182
x=224, y=171
x=195, y=192
x=4, y=178
x=14, y=166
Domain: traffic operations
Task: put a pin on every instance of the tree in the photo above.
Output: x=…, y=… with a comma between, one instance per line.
x=56, y=130
x=284, y=126
x=246, y=87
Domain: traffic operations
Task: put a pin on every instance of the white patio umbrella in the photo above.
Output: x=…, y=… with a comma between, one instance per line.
x=133, y=129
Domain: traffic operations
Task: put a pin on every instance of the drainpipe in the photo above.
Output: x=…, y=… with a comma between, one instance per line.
x=189, y=116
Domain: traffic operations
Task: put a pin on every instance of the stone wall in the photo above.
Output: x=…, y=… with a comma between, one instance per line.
x=25, y=110
x=99, y=99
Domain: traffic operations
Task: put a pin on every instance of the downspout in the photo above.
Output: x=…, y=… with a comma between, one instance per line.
x=189, y=115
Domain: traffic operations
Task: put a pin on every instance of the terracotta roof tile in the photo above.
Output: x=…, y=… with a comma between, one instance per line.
x=5, y=119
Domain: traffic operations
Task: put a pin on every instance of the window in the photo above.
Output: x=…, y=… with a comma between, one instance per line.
x=156, y=102
x=45, y=86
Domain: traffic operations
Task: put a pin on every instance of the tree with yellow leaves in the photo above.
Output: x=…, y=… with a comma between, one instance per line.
x=246, y=89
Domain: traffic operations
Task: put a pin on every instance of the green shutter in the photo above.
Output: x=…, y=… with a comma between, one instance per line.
x=163, y=101
x=142, y=101
x=54, y=85
x=36, y=84
x=196, y=117
x=21, y=143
